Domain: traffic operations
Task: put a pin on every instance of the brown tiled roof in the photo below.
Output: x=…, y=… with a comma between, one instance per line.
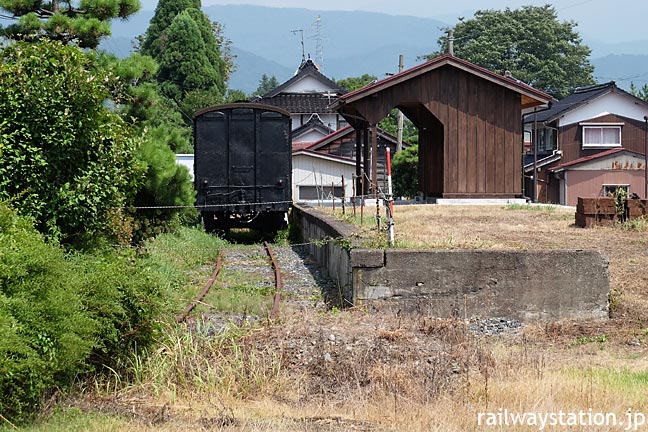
x=300, y=102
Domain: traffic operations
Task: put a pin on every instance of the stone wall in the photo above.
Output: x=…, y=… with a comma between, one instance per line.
x=525, y=285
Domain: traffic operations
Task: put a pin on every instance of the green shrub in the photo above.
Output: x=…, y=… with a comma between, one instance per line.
x=66, y=159
x=46, y=334
x=64, y=314
x=405, y=172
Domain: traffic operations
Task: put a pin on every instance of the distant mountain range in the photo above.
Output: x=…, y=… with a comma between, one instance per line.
x=269, y=41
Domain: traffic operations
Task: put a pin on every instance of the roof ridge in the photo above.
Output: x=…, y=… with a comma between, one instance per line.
x=593, y=87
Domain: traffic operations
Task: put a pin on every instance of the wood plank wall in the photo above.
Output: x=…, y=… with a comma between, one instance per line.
x=481, y=126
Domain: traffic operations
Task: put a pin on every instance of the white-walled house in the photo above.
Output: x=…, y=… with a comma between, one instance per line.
x=318, y=176
x=307, y=93
x=187, y=160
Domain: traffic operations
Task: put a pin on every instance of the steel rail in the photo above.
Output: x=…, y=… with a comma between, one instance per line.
x=274, y=312
x=205, y=290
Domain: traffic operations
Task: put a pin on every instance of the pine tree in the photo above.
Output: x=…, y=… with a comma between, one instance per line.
x=85, y=21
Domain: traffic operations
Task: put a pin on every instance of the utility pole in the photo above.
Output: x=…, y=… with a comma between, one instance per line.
x=399, y=131
x=451, y=41
x=535, y=155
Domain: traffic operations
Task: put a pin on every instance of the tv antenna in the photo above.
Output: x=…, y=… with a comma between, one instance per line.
x=301, y=32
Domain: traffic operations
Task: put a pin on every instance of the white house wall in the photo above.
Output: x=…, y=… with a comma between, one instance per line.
x=313, y=171
x=186, y=160
x=611, y=103
x=308, y=84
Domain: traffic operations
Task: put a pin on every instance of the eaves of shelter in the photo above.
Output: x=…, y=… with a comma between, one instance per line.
x=346, y=130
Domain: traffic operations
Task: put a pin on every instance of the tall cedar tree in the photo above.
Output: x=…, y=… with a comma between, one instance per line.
x=165, y=12
x=186, y=62
x=266, y=85
x=193, y=55
x=529, y=42
x=85, y=21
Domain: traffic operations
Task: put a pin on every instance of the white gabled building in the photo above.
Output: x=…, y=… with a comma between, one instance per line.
x=306, y=95
x=318, y=176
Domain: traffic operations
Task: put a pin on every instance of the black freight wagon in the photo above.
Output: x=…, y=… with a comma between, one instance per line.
x=242, y=166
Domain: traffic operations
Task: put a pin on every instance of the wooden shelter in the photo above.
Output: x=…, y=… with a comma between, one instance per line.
x=469, y=121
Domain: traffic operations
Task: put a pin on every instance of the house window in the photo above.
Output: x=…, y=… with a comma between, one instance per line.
x=317, y=193
x=601, y=136
x=612, y=190
x=547, y=140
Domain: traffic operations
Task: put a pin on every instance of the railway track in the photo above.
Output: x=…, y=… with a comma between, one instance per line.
x=264, y=268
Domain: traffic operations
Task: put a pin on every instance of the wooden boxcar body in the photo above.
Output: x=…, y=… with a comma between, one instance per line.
x=242, y=166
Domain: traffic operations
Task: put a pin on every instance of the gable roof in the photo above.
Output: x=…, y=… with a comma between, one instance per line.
x=601, y=155
x=313, y=123
x=580, y=97
x=325, y=156
x=530, y=96
x=307, y=68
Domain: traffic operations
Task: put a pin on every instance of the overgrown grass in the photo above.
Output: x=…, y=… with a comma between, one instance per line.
x=64, y=315
x=531, y=207
x=206, y=361
x=75, y=420
x=638, y=224
x=184, y=259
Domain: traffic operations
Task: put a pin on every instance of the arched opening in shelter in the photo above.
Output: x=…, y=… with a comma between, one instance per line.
x=431, y=148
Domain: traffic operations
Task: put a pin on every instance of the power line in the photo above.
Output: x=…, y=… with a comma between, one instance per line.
x=575, y=4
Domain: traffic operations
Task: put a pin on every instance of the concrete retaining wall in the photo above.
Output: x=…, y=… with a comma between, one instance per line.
x=526, y=285
x=329, y=247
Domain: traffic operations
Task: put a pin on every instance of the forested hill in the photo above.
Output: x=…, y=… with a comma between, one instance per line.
x=268, y=41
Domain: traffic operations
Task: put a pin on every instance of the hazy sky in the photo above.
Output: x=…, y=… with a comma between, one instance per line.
x=617, y=20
